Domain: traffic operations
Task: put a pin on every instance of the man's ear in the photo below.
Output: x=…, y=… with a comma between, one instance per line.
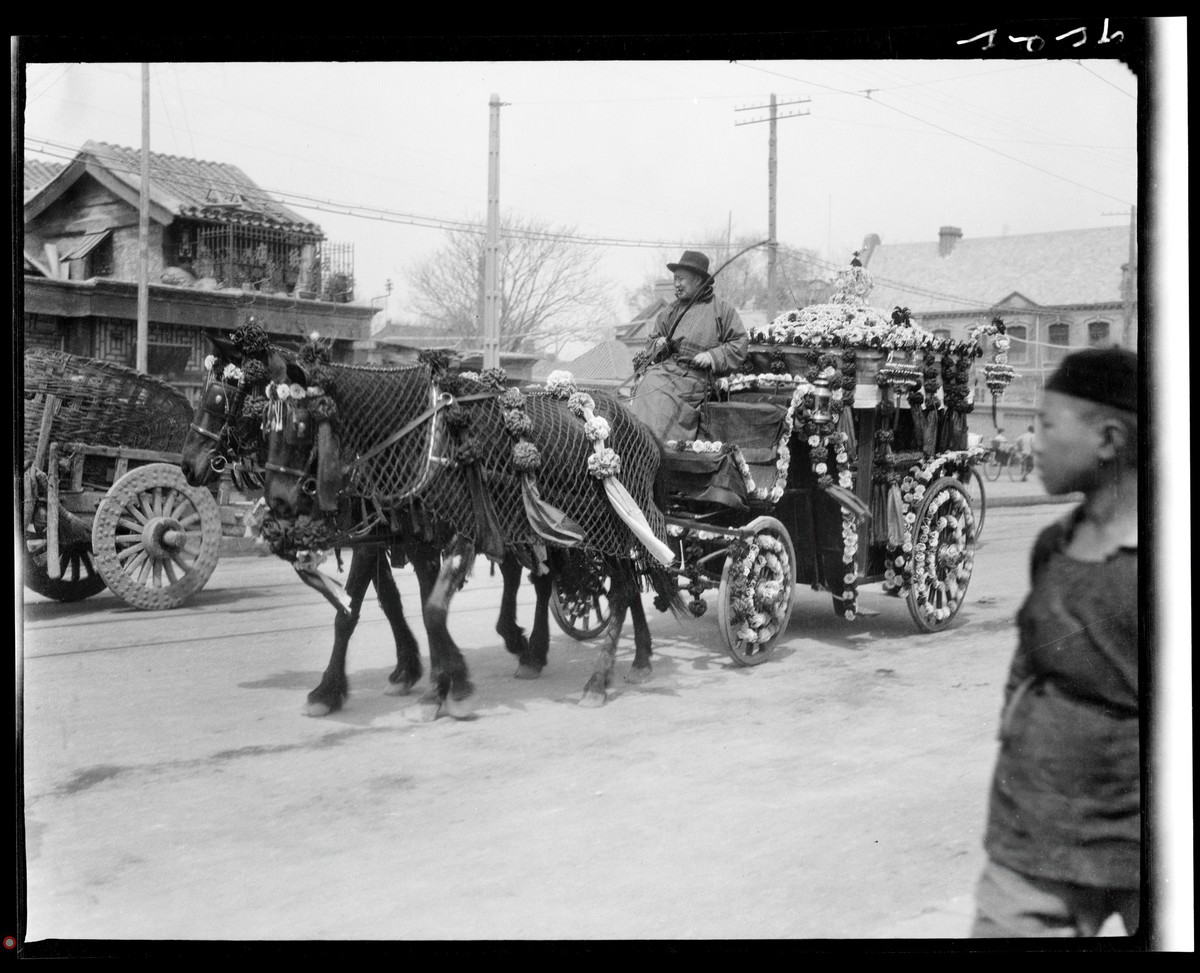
x=1117, y=439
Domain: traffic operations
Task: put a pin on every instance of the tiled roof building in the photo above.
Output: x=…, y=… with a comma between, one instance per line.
x=1055, y=292
x=220, y=249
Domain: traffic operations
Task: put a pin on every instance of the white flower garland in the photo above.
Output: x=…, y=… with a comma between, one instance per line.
x=758, y=595
x=229, y=372
x=911, y=562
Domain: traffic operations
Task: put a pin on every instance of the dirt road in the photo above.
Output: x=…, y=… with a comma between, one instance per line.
x=174, y=791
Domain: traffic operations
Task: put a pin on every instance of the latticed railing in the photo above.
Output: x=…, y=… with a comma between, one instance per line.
x=266, y=259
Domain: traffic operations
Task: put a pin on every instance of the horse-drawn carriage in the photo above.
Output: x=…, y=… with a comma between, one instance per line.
x=103, y=500
x=836, y=457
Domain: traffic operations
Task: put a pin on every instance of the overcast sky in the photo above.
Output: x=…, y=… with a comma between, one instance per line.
x=649, y=156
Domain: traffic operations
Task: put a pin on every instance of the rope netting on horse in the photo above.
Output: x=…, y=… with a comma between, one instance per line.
x=432, y=456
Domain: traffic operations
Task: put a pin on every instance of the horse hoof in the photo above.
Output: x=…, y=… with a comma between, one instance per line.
x=401, y=687
x=639, y=674
x=593, y=700
x=424, y=712
x=527, y=672
x=460, y=709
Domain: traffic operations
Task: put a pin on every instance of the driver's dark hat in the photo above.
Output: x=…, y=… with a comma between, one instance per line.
x=694, y=261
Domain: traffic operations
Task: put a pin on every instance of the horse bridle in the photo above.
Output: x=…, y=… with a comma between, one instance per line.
x=223, y=440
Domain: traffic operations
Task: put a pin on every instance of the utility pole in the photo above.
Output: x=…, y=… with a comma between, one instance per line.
x=143, y=319
x=491, y=297
x=773, y=240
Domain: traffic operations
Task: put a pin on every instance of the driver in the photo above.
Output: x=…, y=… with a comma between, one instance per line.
x=699, y=337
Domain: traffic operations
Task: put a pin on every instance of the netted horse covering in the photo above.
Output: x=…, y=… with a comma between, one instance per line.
x=374, y=403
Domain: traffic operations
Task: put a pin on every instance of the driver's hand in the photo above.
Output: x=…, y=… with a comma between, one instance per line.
x=703, y=360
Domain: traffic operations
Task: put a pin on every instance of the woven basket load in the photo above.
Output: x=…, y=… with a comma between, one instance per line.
x=102, y=404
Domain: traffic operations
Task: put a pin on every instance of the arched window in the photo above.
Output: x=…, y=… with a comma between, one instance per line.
x=1098, y=333
x=1059, y=335
x=1018, y=350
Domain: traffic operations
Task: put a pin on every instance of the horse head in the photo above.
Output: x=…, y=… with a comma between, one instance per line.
x=219, y=434
x=303, y=456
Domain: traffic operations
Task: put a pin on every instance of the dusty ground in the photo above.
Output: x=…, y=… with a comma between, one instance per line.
x=174, y=791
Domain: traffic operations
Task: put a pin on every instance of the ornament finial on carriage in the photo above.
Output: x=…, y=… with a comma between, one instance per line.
x=854, y=261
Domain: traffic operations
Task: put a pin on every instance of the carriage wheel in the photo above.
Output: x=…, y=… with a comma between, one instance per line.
x=156, y=539
x=978, y=495
x=943, y=554
x=754, y=602
x=584, y=613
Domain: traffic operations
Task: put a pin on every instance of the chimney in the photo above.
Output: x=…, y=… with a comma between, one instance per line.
x=947, y=237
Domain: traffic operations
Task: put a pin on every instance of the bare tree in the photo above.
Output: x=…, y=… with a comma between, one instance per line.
x=743, y=281
x=550, y=290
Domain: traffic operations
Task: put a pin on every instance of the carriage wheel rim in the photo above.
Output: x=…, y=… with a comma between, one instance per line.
x=744, y=651
x=942, y=571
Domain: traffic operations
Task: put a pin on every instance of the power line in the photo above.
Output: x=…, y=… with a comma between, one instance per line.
x=304, y=201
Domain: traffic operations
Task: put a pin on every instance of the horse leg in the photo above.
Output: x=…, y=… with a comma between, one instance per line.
x=595, y=693
x=408, y=654
x=506, y=625
x=450, y=687
x=640, y=672
x=331, y=693
x=539, y=637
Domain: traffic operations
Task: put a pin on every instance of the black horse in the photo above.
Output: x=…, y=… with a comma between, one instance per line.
x=395, y=445
x=226, y=432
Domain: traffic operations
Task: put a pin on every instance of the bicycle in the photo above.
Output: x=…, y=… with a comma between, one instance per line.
x=993, y=462
x=1018, y=466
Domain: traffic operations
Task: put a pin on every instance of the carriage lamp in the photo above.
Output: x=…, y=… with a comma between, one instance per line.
x=823, y=393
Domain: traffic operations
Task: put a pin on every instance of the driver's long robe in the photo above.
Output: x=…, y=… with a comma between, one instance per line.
x=669, y=395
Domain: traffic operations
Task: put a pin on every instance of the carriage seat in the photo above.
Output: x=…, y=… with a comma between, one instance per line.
x=754, y=428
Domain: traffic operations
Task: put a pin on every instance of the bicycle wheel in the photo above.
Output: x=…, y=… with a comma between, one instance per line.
x=1015, y=467
x=991, y=467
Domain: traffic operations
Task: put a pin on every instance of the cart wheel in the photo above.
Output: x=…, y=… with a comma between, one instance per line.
x=761, y=582
x=156, y=539
x=78, y=577
x=978, y=495
x=583, y=611
x=943, y=554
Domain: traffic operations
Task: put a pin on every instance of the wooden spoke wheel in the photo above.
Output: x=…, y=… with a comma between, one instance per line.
x=758, y=585
x=581, y=606
x=943, y=554
x=156, y=538
x=78, y=576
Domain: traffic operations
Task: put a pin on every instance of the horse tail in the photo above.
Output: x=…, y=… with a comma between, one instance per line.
x=667, y=594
